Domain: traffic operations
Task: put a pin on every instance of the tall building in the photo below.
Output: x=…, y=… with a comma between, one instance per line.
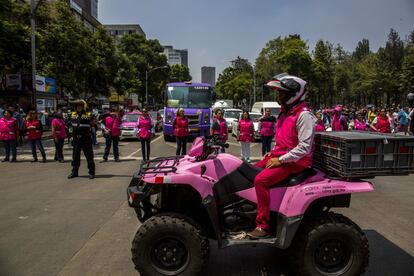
x=87, y=12
x=208, y=75
x=175, y=56
x=119, y=30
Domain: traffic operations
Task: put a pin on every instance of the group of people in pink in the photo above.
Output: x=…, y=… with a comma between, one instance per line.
x=377, y=120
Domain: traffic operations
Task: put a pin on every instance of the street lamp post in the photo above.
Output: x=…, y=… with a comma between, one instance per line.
x=146, y=80
x=33, y=8
x=254, y=84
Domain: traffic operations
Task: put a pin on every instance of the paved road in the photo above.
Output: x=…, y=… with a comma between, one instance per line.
x=50, y=225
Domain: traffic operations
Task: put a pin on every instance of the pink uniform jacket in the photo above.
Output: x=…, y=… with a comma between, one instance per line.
x=287, y=135
x=34, y=133
x=8, y=129
x=181, y=127
x=319, y=126
x=144, y=126
x=360, y=125
x=246, y=130
x=60, y=129
x=112, y=124
x=221, y=130
x=267, y=128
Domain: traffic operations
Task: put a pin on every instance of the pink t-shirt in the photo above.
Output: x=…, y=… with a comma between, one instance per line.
x=59, y=126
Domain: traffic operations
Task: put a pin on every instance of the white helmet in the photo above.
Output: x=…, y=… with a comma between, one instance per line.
x=289, y=84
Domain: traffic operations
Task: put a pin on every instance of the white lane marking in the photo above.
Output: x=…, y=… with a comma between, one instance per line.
x=138, y=150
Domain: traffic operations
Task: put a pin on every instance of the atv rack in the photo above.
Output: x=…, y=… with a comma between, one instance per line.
x=159, y=165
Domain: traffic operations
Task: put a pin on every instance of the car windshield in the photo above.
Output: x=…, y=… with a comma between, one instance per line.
x=130, y=118
x=231, y=114
x=189, y=97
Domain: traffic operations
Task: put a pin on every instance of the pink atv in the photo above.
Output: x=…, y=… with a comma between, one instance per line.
x=184, y=201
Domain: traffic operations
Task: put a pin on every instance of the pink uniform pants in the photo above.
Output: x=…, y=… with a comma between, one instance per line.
x=262, y=183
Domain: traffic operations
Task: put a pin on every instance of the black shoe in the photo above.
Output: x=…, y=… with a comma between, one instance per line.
x=117, y=160
x=61, y=161
x=34, y=160
x=44, y=160
x=72, y=175
x=13, y=161
x=5, y=160
x=91, y=176
x=105, y=159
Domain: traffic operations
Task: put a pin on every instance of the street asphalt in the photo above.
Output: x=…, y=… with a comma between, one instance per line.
x=50, y=225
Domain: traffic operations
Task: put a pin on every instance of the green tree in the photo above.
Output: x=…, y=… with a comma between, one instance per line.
x=323, y=72
x=362, y=49
x=289, y=54
x=14, y=37
x=145, y=55
x=66, y=52
x=179, y=73
x=407, y=68
x=236, y=82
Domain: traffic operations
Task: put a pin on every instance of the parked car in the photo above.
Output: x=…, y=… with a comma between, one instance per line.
x=129, y=127
x=231, y=115
x=254, y=116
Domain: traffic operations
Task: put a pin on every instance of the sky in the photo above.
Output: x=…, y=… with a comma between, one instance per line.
x=217, y=31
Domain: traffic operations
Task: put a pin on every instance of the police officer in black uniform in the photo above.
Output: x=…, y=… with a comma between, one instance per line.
x=81, y=122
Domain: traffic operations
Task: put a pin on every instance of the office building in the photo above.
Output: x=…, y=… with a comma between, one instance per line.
x=175, y=56
x=87, y=12
x=208, y=75
x=119, y=30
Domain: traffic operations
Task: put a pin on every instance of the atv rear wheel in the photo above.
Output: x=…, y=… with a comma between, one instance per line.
x=166, y=245
x=329, y=244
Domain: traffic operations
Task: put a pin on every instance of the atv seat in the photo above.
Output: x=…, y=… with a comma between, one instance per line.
x=249, y=171
x=295, y=179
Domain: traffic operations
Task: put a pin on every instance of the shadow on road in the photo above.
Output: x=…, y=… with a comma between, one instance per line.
x=386, y=259
x=107, y=176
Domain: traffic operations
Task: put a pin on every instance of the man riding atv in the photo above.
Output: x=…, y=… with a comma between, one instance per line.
x=295, y=130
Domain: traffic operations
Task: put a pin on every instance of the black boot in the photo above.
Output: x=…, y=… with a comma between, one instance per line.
x=72, y=175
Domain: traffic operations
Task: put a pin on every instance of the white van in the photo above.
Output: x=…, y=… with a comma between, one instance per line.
x=261, y=106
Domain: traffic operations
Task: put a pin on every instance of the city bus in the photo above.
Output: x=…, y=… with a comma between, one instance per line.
x=195, y=99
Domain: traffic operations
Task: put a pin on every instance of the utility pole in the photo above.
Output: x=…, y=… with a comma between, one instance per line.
x=33, y=9
x=254, y=84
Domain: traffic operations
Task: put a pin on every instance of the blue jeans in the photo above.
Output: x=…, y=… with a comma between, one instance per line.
x=266, y=144
x=10, y=145
x=38, y=143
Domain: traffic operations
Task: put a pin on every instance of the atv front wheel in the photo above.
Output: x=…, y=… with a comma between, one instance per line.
x=166, y=245
x=329, y=244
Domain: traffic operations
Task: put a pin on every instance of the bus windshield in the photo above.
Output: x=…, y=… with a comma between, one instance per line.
x=189, y=97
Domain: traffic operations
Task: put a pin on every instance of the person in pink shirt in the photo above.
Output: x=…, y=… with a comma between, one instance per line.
x=245, y=136
x=9, y=133
x=112, y=132
x=359, y=122
x=295, y=131
x=145, y=133
x=319, y=126
x=59, y=135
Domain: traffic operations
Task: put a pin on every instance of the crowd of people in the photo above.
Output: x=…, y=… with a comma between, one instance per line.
x=15, y=125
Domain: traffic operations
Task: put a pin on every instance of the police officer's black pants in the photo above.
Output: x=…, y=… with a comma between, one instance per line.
x=145, y=148
x=111, y=140
x=82, y=143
